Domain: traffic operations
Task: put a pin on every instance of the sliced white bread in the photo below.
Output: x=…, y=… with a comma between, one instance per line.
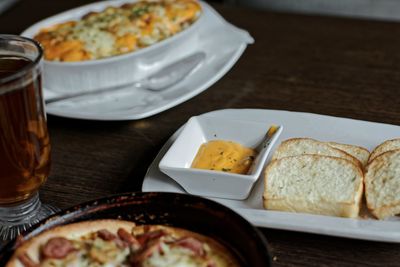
x=302, y=146
x=384, y=147
x=314, y=184
x=382, y=184
x=360, y=153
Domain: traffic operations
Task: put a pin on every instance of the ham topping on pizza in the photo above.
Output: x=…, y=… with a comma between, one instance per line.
x=57, y=248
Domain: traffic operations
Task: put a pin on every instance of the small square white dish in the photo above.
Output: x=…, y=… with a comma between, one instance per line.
x=199, y=130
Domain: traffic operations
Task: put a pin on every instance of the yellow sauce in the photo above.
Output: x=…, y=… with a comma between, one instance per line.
x=224, y=156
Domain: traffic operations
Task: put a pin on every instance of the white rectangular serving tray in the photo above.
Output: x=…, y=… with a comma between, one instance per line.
x=298, y=124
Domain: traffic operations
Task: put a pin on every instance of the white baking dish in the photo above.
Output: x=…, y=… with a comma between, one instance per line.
x=112, y=71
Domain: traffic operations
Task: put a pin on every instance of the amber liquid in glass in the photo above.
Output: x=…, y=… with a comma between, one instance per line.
x=24, y=140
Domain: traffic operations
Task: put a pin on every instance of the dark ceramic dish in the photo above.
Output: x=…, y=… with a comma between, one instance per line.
x=190, y=212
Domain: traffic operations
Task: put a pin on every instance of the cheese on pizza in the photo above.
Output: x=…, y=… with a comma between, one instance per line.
x=115, y=243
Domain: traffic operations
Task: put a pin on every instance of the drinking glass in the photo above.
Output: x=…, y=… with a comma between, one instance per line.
x=24, y=139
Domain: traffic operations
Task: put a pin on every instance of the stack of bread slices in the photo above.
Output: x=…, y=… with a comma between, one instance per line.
x=327, y=178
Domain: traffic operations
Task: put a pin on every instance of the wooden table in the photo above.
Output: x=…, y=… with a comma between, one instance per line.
x=334, y=66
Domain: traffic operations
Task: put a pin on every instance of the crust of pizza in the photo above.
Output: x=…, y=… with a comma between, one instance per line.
x=70, y=231
x=218, y=253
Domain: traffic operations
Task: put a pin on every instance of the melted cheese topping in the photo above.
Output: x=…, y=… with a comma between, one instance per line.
x=157, y=248
x=92, y=253
x=117, y=30
x=224, y=156
x=176, y=256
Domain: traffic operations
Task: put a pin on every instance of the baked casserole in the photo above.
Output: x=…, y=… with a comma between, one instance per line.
x=117, y=30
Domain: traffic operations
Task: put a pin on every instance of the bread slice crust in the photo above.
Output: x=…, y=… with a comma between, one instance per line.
x=301, y=146
x=311, y=199
x=360, y=153
x=386, y=146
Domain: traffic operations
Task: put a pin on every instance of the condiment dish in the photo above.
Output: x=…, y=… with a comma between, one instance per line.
x=177, y=162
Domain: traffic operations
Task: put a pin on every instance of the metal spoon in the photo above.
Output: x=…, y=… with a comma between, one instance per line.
x=273, y=132
x=264, y=147
x=162, y=79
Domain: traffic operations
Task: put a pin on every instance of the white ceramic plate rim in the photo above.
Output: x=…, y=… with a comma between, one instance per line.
x=369, y=134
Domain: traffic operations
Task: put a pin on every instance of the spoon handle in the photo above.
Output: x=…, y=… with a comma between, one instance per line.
x=174, y=72
x=86, y=93
x=162, y=79
x=272, y=131
x=264, y=147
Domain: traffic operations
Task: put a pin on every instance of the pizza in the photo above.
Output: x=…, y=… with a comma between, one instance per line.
x=120, y=243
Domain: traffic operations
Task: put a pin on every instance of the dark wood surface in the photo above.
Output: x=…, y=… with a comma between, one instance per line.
x=334, y=66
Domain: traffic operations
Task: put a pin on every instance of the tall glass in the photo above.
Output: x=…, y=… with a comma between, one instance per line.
x=24, y=139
